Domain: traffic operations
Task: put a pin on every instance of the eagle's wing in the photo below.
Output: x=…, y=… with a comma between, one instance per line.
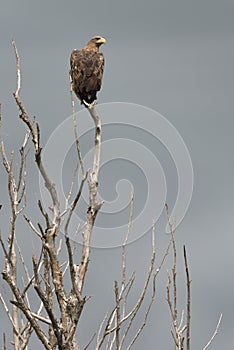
x=94, y=71
x=76, y=70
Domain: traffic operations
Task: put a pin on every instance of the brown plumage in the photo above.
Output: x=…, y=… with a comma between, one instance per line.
x=87, y=70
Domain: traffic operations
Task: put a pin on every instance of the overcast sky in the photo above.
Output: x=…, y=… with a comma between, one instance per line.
x=176, y=58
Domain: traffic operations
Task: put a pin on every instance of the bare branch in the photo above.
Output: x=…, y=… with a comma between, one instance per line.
x=35, y=132
x=74, y=203
x=125, y=242
x=179, y=328
x=73, y=272
x=32, y=226
x=146, y=315
x=188, y=301
x=40, y=318
x=172, y=231
x=215, y=332
x=86, y=347
x=96, y=159
x=44, y=213
x=22, y=170
x=99, y=342
x=75, y=131
x=8, y=312
x=17, y=68
x=71, y=189
x=127, y=290
x=94, y=205
x=78, y=145
x=3, y=246
x=142, y=296
x=44, y=299
x=4, y=341
x=21, y=305
x=117, y=315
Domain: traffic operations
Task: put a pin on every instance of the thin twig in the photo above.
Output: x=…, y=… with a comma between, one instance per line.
x=188, y=301
x=179, y=328
x=117, y=315
x=20, y=304
x=172, y=231
x=100, y=330
x=8, y=313
x=71, y=188
x=3, y=246
x=74, y=203
x=146, y=315
x=86, y=347
x=142, y=296
x=44, y=213
x=43, y=298
x=125, y=242
x=215, y=332
x=32, y=226
x=75, y=131
x=4, y=341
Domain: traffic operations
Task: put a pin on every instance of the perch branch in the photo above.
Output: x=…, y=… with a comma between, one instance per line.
x=94, y=205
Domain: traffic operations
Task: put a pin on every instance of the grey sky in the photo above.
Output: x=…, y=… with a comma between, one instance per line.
x=175, y=57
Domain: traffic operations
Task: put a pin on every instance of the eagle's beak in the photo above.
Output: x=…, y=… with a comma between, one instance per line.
x=102, y=41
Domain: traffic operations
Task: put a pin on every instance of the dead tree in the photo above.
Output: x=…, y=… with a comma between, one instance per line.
x=47, y=279
x=56, y=319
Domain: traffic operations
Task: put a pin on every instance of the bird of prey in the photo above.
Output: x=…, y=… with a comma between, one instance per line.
x=87, y=70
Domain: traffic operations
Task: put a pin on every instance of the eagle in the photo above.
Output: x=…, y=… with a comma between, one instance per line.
x=87, y=70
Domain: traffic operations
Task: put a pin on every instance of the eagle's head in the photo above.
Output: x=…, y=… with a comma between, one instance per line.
x=96, y=41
